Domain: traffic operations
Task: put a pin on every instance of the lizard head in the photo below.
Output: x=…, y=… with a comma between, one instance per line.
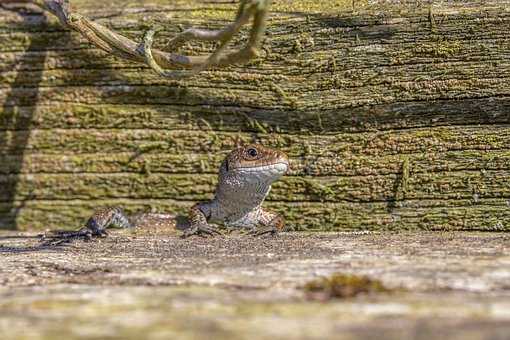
x=255, y=160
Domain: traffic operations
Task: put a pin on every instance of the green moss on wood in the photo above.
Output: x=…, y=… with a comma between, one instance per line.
x=372, y=105
x=343, y=286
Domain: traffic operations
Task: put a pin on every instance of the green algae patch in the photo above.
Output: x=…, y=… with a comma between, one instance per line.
x=343, y=286
x=308, y=6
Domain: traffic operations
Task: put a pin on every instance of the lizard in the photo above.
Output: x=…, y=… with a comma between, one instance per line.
x=244, y=181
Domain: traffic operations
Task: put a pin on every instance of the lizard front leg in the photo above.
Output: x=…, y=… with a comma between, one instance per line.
x=198, y=216
x=269, y=223
x=105, y=218
x=96, y=225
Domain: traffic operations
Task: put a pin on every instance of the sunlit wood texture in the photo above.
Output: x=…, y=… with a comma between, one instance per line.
x=394, y=116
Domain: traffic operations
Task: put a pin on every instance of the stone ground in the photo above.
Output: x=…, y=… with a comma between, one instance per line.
x=155, y=285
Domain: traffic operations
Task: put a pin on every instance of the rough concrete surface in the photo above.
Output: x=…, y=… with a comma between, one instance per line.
x=157, y=285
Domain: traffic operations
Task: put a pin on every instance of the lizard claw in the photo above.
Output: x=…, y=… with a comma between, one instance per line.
x=57, y=238
x=202, y=230
x=261, y=232
x=99, y=233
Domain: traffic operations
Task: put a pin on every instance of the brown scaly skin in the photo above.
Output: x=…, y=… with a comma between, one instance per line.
x=245, y=179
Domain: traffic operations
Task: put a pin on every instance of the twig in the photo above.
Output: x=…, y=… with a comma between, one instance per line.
x=167, y=64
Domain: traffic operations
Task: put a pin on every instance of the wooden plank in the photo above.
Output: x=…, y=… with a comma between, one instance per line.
x=438, y=185
x=394, y=117
x=349, y=165
x=402, y=142
x=487, y=215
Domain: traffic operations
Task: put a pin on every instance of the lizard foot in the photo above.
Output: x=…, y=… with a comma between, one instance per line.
x=202, y=230
x=264, y=231
x=57, y=238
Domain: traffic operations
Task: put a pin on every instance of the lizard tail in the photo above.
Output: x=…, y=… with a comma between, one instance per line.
x=110, y=217
x=116, y=217
x=155, y=220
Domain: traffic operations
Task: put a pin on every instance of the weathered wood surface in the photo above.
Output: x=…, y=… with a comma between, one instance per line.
x=151, y=284
x=394, y=116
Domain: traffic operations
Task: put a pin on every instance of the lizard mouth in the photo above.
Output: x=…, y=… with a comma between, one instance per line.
x=270, y=169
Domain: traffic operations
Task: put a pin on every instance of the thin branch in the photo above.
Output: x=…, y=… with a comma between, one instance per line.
x=167, y=64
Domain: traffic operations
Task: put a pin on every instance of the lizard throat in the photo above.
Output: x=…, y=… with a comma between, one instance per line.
x=249, y=185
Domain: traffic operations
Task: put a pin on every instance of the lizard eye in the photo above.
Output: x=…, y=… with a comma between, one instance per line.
x=252, y=152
